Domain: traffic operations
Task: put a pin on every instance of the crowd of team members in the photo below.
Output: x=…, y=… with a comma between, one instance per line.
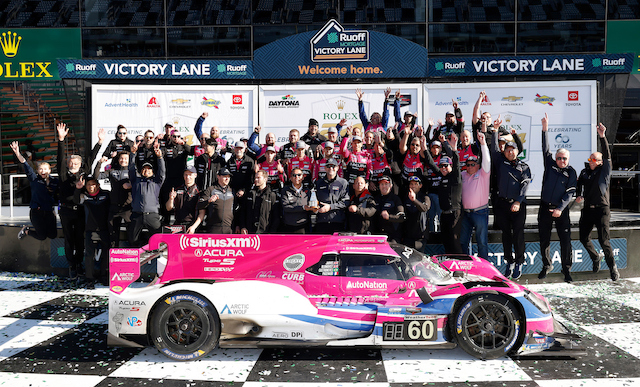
x=401, y=181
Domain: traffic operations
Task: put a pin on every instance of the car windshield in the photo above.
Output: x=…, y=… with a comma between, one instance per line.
x=430, y=270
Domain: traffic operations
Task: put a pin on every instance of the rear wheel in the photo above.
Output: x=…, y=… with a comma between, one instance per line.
x=185, y=326
x=487, y=326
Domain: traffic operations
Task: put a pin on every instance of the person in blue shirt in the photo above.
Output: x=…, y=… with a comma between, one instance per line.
x=44, y=196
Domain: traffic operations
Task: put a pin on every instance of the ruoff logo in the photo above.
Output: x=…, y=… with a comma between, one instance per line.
x=335, y=44
x=572, y=95
x=10, y=44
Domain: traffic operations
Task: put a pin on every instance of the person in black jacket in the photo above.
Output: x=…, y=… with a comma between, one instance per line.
x=362, y=208
x=145, y=194
x=416, y=204
x=175, y=153
x=184, y=200
x=120, y=144
x=145, y=152
x=333, y=199
x=208, y=164
x=260, y=213
x=558, y=189
x=96, y=203
x=120, y=209
x=390, y=212
x=313, y=138
x=217, y=204
x=295, y=205
x=241, y=167
x=593, y=188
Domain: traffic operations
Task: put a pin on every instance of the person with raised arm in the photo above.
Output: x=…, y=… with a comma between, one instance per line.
x=378, y=122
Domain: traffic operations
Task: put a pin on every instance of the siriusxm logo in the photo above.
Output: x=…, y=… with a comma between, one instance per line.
x=250, y=242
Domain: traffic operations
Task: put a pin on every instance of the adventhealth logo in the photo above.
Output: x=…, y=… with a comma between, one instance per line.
x=335, y=44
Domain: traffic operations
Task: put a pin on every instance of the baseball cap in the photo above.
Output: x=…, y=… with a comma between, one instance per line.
x=436, y=143
x=450, y=113
x=415, y=178
x=502, y=139
x=331, y=161
x=301, y=145
x=191, y=169
x=445, y=160
x=472, y=158
x=408, y=113
x=385, y=177
x=313, y=121
x=244, y=139
x=270, y=149
x=147, y=164
x=329, y=144
x=332, y=130
x=211, y=141
x=168, y=124
x=239, y=144
x=510, y=144
x=91, y=177
x=356, y=138
x=224, y=172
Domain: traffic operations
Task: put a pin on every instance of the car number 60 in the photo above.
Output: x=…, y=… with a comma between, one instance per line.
x=415, y=330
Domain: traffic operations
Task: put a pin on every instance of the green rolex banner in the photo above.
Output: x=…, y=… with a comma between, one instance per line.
x=32, y=53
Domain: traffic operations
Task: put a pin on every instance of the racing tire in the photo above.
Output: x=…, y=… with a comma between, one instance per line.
x=487, y=326
x=185, y=326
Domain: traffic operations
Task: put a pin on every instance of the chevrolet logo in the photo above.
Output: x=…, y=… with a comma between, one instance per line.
x=511, y=98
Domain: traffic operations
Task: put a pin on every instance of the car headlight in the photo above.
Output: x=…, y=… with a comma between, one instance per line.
x=538, y=301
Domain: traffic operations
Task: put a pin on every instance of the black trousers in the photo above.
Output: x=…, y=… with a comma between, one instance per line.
x=563, y=227
x=512, y=226
x=599, y=217
x=115, y=221
x=73, y=223
x=148, y=220
x=44, y=224
x=450, y=228
x=96, y=257
x=290, y=229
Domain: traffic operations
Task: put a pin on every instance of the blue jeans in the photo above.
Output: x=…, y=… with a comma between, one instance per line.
x=480, y=221
x=434, y=210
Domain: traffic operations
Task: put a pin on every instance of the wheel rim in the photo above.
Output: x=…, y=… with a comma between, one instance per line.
x=489, y=326
x=186, y=326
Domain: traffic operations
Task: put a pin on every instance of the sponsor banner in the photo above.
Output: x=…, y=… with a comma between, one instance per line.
x=283, y=108
x=149, y=107
x=570, y=105
x=155, y=69
x=533, y=260
x=618, y=33
x=31, y=53
x=530, y=65
x=334, y=52
x=124, y=268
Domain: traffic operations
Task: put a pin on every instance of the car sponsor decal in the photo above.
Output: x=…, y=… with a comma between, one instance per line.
x=177, y=356
x=366, y=285
x=134, y=321
x=294, y=262
x=235, y=309
x=461, y=315
x=186, y=297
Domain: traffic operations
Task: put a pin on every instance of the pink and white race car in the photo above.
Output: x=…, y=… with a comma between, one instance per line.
x=321, y=290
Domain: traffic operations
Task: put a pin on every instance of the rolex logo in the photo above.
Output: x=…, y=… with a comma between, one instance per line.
x=10, y=43
x=507, y=118
x=340, y=104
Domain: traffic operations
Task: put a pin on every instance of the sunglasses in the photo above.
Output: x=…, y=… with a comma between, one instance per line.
x=562, y=158
x=149, y=138
x=297, y=175
x=174, y=136
x=471, y=164
x=592, y=159
x=444, y=166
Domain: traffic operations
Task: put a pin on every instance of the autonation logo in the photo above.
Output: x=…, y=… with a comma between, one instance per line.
x=366, y=285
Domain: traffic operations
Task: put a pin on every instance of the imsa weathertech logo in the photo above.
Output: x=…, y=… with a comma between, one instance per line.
x=335, y=44
x=10, y=44
x=250, y=242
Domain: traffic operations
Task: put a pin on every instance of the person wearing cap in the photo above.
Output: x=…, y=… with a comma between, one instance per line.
x=481, y=122
x=408, y=119
x=362, y=208
x=593, y=189
x=214, y=133
x=145, y=193
x=295, y=205
x=120, y=194
x=217, y=206
x=165, y=138
x=273, y=169
x=72, y=216
x=432, y=182
x=382, y=164
x=259, y=151
x=145, y=152
x=260, y=212
x=302, y=161
x=466, y=149
x=333, y=199
x=513, y=177
x=176, y=152
x=313, y=138
x=183, y=201
x=356, y=161
x=475, y=201
x=119, y=144
x=390, y=211
x=378, y=123
x=449, y=195
x=413, y=158
x=241, y=167
x=333, y=135
x=96, y=203
x=416, y=204
x=453, y=121
x=558, y=190
x=288, y=151
x=208, y=164
x=328, y=152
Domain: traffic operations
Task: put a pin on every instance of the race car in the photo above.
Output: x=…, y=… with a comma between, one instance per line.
x=321, y=290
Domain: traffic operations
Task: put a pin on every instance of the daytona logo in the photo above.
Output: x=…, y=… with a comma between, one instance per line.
x=366, y=285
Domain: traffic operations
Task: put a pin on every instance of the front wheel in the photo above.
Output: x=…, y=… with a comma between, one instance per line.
x=185, y=326
x=487, y=326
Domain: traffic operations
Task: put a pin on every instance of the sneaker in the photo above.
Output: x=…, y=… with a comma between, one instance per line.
x=567, y=277
x=509, y=269
x=615, y=275
x=517, y=271
x=73, y=273
x=596, y=263
x=80, y=270
x=545, y=270
x=23, y=232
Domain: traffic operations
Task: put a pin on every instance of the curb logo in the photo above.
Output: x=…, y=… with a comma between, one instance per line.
x=9, y=45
